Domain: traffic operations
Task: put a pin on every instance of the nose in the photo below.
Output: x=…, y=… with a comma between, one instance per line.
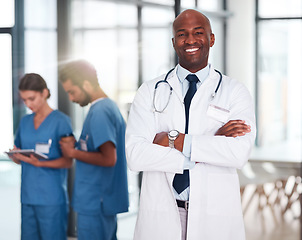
x=190, y=39
x=28, y=104
x=71, y=98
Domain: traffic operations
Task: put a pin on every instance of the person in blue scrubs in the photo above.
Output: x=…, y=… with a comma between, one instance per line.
x=44, y=182
x=100, y=188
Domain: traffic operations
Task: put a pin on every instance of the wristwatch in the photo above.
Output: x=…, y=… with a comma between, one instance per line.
x=172, y=135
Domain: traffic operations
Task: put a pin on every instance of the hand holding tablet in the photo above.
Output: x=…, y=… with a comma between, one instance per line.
x=27, y=152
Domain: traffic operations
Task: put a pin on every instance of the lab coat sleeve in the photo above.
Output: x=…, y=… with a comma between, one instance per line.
x=142, y=154
x=228, y=151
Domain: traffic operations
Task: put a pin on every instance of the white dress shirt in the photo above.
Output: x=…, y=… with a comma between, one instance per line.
x=182, y=73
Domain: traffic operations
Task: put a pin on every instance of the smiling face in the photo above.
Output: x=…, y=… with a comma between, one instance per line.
x=192, y=40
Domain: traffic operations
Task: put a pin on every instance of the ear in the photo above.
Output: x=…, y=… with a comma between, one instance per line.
x=173, y=42
x=87, y=86
x=45, y=93
x=212, y=39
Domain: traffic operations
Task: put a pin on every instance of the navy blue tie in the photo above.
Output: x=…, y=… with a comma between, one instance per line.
x=182, y=181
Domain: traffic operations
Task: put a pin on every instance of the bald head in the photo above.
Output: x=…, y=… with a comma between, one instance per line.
x=192, y=39
x=190, y=14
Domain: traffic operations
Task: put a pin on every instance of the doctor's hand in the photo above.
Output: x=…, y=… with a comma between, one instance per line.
x=163, y=140
x=234, y=128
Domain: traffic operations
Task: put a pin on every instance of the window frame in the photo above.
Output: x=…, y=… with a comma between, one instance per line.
x=258, y=20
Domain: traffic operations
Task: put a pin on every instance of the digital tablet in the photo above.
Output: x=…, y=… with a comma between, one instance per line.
x=27, y=152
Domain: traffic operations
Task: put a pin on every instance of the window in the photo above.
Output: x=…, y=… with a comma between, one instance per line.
x=157, y=48
x=128, y=45
x=279, y=57
x=214, y=5
x=6, y=23
x=41, y=42
x=280, y=8
x=6, y=126
x=7, y=16
x=105, y=34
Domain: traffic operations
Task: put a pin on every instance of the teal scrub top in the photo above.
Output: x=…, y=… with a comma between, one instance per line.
x=98, y=188
x=41, y=185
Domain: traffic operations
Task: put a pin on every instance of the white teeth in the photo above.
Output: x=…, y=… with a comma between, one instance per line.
x=191, y=50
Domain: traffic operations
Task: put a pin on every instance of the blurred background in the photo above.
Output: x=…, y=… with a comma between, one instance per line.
x=258, y=42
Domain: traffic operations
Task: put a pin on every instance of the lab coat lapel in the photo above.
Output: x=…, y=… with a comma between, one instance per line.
x=174, y=82
x=204, y=92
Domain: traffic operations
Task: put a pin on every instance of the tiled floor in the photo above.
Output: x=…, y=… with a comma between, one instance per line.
x=10, y=204
x=270, y=223
x=260, y=225
x=9, y=201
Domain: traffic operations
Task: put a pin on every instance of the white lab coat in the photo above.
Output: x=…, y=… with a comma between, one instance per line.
x=215, y=207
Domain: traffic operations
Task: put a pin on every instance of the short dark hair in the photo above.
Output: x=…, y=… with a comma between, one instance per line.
x=78, y=71
x=33, y=82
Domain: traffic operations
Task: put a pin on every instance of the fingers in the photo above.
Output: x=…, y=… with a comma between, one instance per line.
x=236, y=124
x=15, y=148
x=66, y=145
x=21, y=157
x=239, y=128
x=24, y=158
x=15, y=160
x=235, y=132
x=234, y=128
x=238, y=131
x=161, y=138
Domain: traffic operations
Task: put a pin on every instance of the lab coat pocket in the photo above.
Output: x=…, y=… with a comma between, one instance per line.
x=218, y=113
x=217, y=117
x=223, y=197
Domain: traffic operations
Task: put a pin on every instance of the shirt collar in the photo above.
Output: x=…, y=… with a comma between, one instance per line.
x=97, y=100
x=202, y=74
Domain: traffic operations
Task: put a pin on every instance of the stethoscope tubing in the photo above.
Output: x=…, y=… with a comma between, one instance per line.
x=218, y=85
x=165, y=80
x=171, y=89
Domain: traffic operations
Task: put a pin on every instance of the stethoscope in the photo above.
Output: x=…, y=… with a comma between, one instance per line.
x=171, y=90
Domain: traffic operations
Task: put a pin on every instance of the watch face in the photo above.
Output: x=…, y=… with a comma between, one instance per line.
x=173, y=133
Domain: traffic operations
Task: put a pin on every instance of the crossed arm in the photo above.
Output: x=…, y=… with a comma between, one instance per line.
x=233, y=128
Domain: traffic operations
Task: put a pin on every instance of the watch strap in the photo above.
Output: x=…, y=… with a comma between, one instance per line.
x=171, y=143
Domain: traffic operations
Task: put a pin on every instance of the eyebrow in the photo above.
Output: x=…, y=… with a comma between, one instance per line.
x=196, y=28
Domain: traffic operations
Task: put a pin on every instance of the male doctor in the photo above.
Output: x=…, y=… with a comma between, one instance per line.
x=100, y=188
x=189, y=150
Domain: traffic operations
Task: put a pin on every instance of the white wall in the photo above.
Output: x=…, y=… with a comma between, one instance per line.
x=241, y=42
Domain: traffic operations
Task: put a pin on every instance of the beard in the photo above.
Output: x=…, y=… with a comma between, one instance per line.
x=86, y=100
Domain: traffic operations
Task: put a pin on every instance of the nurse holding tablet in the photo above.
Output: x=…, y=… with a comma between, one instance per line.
x=44, y=196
